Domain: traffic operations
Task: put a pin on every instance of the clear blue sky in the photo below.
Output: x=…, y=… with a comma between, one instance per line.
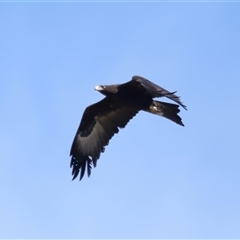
x=156, y=179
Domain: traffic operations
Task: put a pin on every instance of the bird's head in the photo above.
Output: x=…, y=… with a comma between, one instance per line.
x=101, y=89
x=107, y=89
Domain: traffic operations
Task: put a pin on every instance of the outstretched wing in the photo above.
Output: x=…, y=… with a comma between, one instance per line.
x=155, y=91
x=99, y=123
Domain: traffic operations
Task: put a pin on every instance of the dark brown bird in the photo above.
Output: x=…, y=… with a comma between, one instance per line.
x=103, y=119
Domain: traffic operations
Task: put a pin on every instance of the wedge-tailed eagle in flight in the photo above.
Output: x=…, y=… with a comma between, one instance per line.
x=100, y=121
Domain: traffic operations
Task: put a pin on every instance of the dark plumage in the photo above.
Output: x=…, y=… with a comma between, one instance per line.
x=100, y=121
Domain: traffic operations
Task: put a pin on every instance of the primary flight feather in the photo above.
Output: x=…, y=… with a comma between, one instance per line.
x=100, y=121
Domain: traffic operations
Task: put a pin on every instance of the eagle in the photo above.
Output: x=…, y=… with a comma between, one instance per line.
x=101, y=120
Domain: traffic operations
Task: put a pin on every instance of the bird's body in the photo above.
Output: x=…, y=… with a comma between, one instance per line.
x=100, y=121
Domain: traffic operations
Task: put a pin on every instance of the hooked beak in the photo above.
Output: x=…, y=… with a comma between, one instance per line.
x=99, y=88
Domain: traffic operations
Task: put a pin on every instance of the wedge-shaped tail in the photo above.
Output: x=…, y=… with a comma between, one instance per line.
x=167, y=110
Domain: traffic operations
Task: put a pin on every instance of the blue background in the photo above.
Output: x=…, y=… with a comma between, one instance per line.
x=156, y=179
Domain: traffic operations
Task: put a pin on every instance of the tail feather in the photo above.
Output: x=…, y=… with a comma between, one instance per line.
x=167, y=110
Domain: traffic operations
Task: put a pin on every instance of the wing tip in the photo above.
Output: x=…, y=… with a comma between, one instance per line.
x=79, y=165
